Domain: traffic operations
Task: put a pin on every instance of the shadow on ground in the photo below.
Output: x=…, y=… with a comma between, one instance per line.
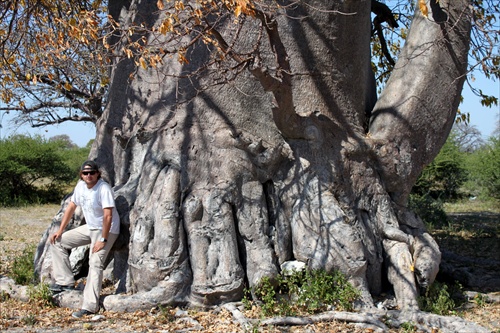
x=470, y=245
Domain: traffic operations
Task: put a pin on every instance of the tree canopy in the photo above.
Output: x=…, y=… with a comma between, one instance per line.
x=34, y=170
x=55, y=54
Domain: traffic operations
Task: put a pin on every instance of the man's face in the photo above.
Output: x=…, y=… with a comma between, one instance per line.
x=89, y=176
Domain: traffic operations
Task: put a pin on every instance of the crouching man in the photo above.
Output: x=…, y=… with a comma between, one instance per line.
x=102, y=227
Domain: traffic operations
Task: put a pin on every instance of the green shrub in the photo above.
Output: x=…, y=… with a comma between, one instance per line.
x=317, y=289
x=23, y=271
x=4, y=296
x=167, y=314
x=266, y=293
x=481, y=300
x=430, y=210
x=443, y=177
x=408, y=327
x=441, y=299
x=29, y=320
x=484, y=166
x=73, y=158
x=309, y=291
x=41, y=294
x=31, y=171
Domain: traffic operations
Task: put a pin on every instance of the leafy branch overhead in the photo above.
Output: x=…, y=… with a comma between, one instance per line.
x=56, y=55
x=54, y=64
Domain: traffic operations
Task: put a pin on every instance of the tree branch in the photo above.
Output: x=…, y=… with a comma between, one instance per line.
x=63, y=119
x=384, y=14
x=414, y=114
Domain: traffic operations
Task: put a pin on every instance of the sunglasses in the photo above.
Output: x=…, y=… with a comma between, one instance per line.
x=85, y=173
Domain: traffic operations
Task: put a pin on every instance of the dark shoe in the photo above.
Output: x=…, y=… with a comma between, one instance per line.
x=57, y=288
x=81, y=313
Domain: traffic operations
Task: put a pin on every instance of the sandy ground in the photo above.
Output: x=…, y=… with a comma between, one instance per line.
x=22, y=227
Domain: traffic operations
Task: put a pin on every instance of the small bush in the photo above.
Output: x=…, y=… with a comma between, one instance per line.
x=444, y=176
x=441, y=299
x=4, y=296
x=23, y=271
x=29, y=320
x=310, y=291
x=266, y=293
x=318, y=289
x=167, y=314
x=408, y=327
x=41, y=295
x=481, y=300
x=430, y=210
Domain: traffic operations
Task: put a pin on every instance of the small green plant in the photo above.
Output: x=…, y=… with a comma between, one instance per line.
x=254, y=328
x=29, y=320
x=309, y=291
x=4, y=296
x=2, y=237
x=266, y=293
x=166, y=314
x=480, y=300
x=430, y=210
x=408, y=327
x=247, y=302
x=440, y=299
x=319, y=289
x=23, y=271
x=41, y=294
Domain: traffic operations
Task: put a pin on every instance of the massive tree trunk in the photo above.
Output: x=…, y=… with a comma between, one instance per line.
x=220, y=179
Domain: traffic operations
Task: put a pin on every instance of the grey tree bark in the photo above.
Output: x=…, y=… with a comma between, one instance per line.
x=219, y=180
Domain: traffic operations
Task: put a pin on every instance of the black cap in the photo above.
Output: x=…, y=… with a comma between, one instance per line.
x=90, y=166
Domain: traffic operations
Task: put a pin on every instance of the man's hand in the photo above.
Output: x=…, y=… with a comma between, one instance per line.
x=55, y=236
x=98, y=246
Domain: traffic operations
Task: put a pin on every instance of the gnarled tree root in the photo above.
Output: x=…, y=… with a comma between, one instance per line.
x=375, y=319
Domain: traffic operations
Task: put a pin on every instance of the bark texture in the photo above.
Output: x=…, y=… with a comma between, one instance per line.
x=219, y=182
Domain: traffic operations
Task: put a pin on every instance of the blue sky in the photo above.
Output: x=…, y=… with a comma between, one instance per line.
x=484, y=118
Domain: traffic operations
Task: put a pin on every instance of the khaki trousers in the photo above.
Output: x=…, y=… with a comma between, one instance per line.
x=61, y=267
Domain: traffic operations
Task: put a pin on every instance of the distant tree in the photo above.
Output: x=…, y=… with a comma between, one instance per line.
x=89, y=144
x=74, y=158
x=444, y=176
x=496, y=132
x=484, y=168
x=31, y=170
x=65, y=140
x=467, y=137
x=72, y=155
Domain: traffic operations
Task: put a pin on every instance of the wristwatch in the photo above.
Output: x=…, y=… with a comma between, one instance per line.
x=104, y=240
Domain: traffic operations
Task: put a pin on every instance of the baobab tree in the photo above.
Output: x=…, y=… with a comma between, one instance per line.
x=239, y=135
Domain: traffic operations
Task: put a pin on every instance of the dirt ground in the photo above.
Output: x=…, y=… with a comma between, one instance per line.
x=23, y=227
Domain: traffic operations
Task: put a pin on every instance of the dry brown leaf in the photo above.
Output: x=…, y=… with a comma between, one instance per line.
x=423, y=7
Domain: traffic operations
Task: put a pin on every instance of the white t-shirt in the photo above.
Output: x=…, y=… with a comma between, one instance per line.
x=93, y=201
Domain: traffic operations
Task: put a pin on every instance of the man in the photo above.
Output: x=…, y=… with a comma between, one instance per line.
x=102, y=227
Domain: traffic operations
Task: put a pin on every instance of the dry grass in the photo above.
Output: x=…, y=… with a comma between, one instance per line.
x=473, y=206
x=22, y=227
